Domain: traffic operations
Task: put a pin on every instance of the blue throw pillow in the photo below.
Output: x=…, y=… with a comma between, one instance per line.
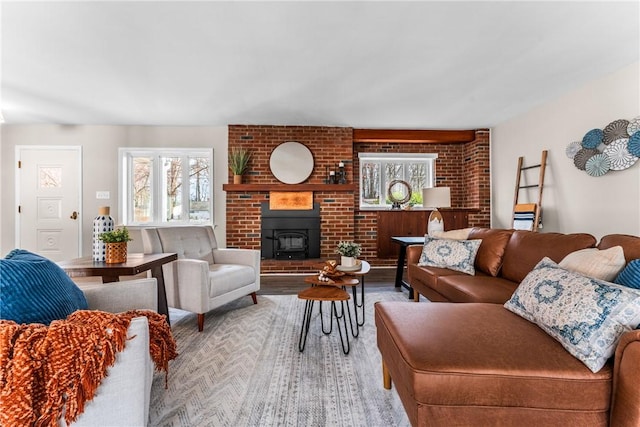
x=34, y=289
x=630, y=275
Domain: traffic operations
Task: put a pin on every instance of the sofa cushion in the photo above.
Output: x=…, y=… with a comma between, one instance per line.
x=478, y=288
x=483, y=356
x=526, y=248
x=491, y=251
x=458, y=255
x=587, y=316
x=630, y=276
x=225, y=278
x=424, y=280
x=598, y=264
x=35, y=290
x=630, y=244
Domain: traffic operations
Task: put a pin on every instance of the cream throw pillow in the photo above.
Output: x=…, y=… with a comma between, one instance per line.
x=604, y=265
x=460, y=234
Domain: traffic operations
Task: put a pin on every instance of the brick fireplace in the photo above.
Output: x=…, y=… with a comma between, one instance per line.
x=462, y=166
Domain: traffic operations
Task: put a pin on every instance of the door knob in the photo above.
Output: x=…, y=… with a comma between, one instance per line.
x=74, y=215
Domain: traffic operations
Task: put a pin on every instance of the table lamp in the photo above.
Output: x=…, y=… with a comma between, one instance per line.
x=436, y=197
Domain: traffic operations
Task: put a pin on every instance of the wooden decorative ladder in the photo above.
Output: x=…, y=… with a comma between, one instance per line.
x=528, y=216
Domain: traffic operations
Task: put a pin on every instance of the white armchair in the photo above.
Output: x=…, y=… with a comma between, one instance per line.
x=204, y=276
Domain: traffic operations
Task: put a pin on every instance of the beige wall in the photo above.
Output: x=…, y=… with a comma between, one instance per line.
x=572, y=200
x=99, y=153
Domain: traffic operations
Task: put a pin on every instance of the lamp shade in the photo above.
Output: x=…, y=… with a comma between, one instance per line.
x=436, y=197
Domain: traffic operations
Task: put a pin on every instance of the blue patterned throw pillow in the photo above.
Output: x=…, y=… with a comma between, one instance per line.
x=630, y=275
x=459, y=255
x=34, y=289
x=587, y=316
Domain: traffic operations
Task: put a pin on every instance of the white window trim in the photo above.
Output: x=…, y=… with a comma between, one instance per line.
x=390, y=157
x=125, y=208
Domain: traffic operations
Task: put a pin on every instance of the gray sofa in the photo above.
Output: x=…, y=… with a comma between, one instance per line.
x=122, y=399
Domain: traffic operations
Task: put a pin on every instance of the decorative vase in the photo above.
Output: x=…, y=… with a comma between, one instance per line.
x=348, y=261
x=116, y=252
x=101, y=224
x=237, y=179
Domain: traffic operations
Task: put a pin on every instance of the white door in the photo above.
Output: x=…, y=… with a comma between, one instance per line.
x=48, y=195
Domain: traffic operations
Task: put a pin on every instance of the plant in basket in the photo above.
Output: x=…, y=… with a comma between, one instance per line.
x=116, y=245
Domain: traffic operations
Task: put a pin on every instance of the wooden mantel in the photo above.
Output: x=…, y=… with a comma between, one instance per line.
x=288, y=187
x=414, y=136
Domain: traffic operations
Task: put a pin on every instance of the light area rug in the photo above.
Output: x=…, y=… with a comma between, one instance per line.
x=245, y=369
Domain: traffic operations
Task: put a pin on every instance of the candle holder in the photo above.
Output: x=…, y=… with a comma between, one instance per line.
x=327, y=180
x=342, y=174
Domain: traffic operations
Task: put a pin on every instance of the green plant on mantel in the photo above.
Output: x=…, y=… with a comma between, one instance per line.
x=239, y=160
x=118, y=235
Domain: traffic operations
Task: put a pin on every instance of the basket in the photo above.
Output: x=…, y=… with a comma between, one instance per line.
x=116, y=252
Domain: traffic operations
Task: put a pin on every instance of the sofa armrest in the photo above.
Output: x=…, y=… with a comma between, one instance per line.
x=123, y=396
x=116, y=297
x=413, y=254
x=625, y=397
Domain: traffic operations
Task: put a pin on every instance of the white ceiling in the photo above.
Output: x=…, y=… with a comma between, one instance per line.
x=430, y=65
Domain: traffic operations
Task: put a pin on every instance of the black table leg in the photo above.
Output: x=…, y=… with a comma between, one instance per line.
x=400, y=270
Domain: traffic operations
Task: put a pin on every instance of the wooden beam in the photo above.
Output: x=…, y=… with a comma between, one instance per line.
x=413, y=136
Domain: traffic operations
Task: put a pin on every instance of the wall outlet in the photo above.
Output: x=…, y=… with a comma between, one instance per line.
x=102, y=195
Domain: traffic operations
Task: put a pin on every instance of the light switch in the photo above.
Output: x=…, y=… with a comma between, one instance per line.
x=102, y=195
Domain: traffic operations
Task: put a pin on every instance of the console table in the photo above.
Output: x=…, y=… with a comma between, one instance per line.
x=402, y=254
x=135, y=264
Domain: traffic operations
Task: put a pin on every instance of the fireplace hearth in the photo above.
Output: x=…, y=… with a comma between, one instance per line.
x=290, y=234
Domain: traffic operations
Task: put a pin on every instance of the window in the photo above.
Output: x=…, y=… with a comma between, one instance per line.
x=161, y=186
x=377, y=170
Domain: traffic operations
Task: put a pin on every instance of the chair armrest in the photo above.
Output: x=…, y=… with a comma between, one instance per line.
x=186, y=283
x=116, y=297
x=250, y=257
x=625, y=396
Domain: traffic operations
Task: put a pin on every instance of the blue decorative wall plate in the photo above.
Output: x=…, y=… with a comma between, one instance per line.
x=593, y=138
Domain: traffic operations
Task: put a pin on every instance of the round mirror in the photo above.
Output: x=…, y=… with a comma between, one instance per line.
x=291, y=162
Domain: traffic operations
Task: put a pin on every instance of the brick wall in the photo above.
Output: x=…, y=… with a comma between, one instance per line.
x=463, y=167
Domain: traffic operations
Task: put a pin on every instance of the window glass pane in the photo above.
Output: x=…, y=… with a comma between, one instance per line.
x=417, y=178
x=199, y=189
x=394, y=171
x=370, y=183
x=50, y=177
x=172, y=188
x=141, y=183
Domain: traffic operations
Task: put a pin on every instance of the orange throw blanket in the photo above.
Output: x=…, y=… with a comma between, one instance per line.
x=47, y=370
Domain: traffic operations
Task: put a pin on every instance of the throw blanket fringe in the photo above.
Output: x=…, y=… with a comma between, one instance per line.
x=48, y=371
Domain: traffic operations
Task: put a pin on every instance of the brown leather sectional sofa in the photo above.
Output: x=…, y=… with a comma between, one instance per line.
x=478, y=364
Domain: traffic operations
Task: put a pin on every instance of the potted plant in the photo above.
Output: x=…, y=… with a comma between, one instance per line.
x=238, y=162
x=348, y=251
x=116, y=245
